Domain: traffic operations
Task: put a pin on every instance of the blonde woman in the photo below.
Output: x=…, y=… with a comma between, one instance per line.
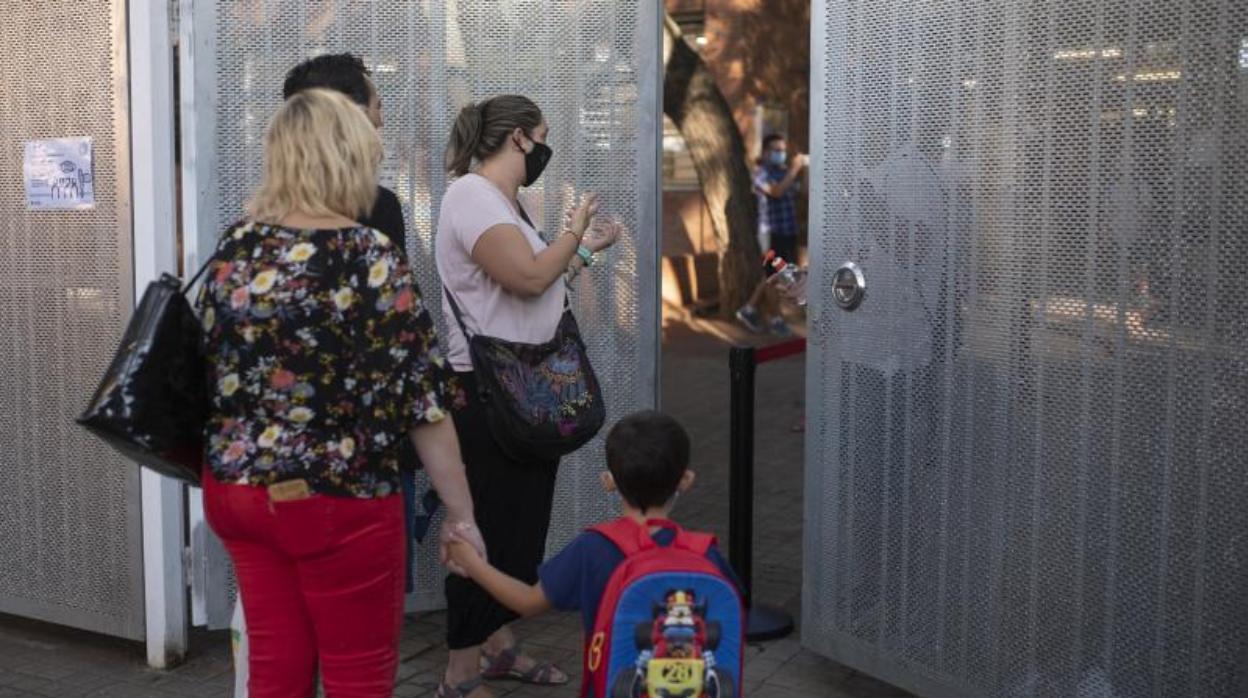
x=321, y=359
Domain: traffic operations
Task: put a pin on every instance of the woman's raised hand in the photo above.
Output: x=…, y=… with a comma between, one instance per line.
x=604, y=234
x=579, y=218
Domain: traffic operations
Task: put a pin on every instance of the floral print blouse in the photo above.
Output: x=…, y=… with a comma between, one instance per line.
x=320, y=355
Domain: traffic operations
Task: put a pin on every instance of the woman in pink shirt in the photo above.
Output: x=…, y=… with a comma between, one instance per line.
x=508, y=282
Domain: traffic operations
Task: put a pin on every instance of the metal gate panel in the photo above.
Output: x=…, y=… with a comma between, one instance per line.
x=592, y=66
x=1026, y=471
x=71, y=551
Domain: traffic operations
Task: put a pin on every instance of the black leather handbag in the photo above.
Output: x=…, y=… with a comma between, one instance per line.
x=153, y=401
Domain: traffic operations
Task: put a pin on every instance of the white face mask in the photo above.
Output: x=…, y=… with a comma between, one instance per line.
x=671, y=503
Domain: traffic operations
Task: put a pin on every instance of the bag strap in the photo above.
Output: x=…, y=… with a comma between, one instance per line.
x=694, y=542
x=459, y=317
x=186, y=288
x=632, y=537
x=525, y=215
x=627, y=535
x=567, y=301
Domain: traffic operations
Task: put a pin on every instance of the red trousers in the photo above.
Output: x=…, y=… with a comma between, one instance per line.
x=321, y=581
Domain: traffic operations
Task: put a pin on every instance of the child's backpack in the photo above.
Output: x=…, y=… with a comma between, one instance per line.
x=670, y=624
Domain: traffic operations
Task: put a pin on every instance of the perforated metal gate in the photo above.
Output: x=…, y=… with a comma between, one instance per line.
x=1027, y=470
x=592, y=66
x=71, y=549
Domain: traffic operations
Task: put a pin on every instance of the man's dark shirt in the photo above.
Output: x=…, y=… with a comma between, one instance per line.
x=387, y=217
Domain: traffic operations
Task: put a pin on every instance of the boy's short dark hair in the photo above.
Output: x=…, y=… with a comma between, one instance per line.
x=772, y=138
x=647, y=454
x=343, y=72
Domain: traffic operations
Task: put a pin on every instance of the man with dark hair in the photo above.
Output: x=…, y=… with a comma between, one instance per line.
x=346, y=73
x=342, y=72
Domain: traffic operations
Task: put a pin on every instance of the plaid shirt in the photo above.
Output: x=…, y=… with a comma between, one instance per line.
x=776, y=215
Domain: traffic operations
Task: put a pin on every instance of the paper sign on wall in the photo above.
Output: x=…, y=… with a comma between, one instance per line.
x=58, y=174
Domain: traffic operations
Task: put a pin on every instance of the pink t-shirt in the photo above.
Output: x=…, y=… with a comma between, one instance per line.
x=471, y=206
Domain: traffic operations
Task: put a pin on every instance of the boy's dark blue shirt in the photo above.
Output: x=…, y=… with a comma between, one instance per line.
x=576, y=578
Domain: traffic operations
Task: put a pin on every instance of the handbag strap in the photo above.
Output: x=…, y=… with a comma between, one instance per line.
x=186, y=288
x=524, y=214
x=567, y=287
x=203, y=268
x=459, y=317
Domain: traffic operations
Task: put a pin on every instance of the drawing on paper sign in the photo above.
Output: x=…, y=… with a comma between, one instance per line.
x=58, y=174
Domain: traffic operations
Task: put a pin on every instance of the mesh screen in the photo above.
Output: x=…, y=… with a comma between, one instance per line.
x=589, y=64
x=71, y=549
x=1028, y=473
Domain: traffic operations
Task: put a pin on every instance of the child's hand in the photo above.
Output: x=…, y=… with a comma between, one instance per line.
x=464, y=533
x=463, y=554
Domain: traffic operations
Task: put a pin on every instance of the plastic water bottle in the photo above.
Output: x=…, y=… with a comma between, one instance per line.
x=791, y=280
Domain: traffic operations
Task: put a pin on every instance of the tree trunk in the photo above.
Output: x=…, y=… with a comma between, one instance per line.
x=692, y=100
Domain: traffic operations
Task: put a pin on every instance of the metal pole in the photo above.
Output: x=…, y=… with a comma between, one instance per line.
x=741, y=467
x=764, y=622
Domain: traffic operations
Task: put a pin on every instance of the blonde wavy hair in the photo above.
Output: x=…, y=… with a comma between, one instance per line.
x=320, y=157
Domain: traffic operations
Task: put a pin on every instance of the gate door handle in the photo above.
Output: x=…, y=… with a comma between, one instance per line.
x=849, y=286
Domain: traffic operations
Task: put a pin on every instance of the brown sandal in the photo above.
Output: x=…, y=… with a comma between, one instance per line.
x=502, y=667
x=446, y=690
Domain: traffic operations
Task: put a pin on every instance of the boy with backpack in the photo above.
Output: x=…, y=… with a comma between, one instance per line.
x=660, y=605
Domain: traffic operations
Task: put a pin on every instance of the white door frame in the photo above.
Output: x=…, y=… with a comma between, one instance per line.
x=212, y=597
x=155, y=252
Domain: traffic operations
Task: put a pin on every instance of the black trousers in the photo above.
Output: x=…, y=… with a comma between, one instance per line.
x=512, y=502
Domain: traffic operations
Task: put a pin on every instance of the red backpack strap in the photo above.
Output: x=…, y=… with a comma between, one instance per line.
x=627, y=535
x=699, y=543
x=692, y=541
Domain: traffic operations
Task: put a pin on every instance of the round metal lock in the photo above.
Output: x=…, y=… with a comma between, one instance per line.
x=849, y=286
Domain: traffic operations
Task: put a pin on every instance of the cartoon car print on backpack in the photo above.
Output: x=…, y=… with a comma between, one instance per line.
x=677, y=654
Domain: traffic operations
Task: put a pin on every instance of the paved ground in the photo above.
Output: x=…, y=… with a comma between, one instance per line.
x=44, y=660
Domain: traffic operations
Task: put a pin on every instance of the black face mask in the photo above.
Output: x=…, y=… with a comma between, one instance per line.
x=535, y=161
